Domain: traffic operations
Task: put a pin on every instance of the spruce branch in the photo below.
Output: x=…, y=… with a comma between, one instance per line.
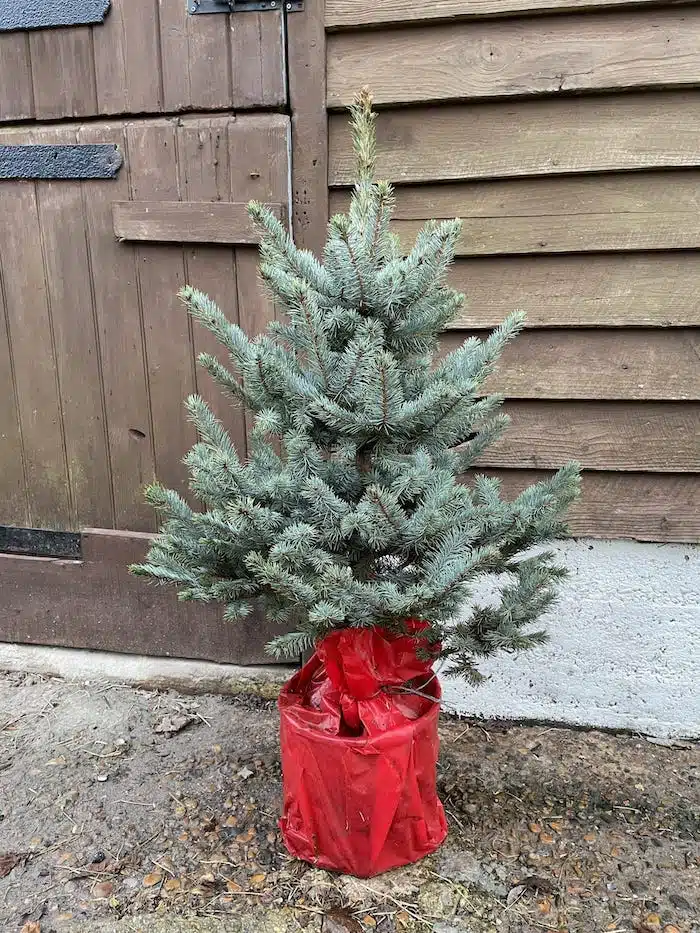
x=351, y=504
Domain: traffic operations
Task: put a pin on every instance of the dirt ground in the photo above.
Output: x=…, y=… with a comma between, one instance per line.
x=128, y=811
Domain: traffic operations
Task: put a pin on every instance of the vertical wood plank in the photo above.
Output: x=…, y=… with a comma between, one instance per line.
x=13, y=491
x=259, y=157
x=68, y=280
x=127, y=59
x=16, y=96
x=306, y=44
x=195, y=53
x=257, y=60
x=205, y=176
x=31, y=336
x=169, y=351
x=121, y=341
x=63, y=72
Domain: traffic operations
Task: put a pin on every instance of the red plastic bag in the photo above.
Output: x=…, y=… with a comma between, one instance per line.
x=359, y=754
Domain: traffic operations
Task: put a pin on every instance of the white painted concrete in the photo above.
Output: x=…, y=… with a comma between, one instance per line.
x=624, y=650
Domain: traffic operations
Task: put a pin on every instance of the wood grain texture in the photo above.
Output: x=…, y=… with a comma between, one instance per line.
x=507, y=58
x=307, y=95
x=259, y=162
x=185, y=222
x=635, y=193
x=642, y=506
x=195, y=55
x=341, y=14
x=13, y=487
x=628, y=436
x=615, y=290
x=148, y=57
x=128, y=72
x=574, y=233
x=631, y=211
x=69, y=289
x=63, y=72
x=95, y=602
x=597, y=364
x=161, y=273
x=31, y=336
x=122, y=342
x=205, y=175
x=16, y=94
x=259, y=159
x=257, y=60
x=537, y=137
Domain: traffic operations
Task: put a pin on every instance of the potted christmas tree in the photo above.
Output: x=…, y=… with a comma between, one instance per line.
x=351, y=518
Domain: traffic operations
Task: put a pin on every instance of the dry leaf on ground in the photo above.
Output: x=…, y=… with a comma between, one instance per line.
x=103, y=889
x=9, y=861
x=172, y=723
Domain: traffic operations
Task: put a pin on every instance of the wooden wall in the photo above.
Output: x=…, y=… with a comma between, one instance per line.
x=566, y=134
x=149, y=56
x=96, y=351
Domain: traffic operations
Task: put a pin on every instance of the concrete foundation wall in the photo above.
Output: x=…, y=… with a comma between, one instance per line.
x=624, y=650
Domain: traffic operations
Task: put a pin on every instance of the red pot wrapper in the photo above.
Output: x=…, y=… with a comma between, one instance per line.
x=359, y=754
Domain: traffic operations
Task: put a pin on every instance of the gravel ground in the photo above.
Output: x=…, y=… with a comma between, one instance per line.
x=128, y=811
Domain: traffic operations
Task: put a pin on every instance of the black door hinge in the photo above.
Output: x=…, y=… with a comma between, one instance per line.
x=243, y=6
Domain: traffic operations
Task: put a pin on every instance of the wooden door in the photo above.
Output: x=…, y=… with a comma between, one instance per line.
x=96, y=351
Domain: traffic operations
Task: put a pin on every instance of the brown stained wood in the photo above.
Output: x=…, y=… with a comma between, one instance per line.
x=95, y=602
x=493, y=236
x=617, y=290
x=506, y=58
x=257, y=60
x=643, y=506
x=121, y=340
x=127, y=58
x=259, y=161
x=597, y=364
x=629, y=436
x=195, y=59
x=68, y=279
x=537, y=137
x=13, y=490
x=185, y=222
x=63, y=72
x=341, y=14
x=307, y=97
x=169, y=352
x=205, y=175
x=16, y=95
x=631, y=211
x=30, y=332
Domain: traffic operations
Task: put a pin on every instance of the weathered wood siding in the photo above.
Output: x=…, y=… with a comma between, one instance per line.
x=96, y=351
x=149, y=56
x=565, y=134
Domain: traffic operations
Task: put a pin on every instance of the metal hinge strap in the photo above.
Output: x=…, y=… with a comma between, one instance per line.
x=243, y=6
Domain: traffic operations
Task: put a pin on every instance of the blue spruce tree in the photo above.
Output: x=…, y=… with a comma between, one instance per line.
x=350, y=509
